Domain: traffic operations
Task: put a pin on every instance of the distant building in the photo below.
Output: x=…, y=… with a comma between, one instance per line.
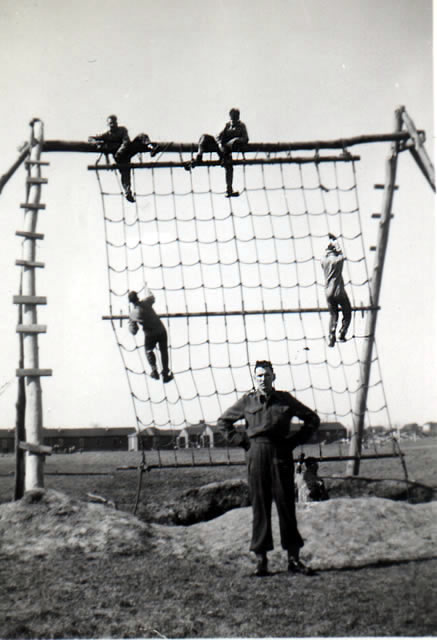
x=411, y=429
x=153, y=438
x=429, y=428
x=200, y=435
x=327, y=432
x=7, y=440
x=92, y=439
x=213, y=436
x=378, y=430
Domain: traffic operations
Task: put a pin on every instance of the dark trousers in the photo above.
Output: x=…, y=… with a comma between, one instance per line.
x=157, y=338
x=208, y=144
x=271, y=477
x=125, y=154
x=335, y=303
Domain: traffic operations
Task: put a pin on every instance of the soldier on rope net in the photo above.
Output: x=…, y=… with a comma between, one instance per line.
x=143, y=313
x=336, y=295
x=269, y=443
x=116, y=141
x=234, y=137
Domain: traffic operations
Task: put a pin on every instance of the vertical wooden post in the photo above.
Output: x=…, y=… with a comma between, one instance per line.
x=353, y=466
x=34, y=463
x=20, y=431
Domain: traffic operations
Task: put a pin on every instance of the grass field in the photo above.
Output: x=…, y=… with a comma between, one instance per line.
x=155, y=595
x=168, y=483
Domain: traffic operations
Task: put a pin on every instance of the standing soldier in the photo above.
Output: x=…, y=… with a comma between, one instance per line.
x=269, y=443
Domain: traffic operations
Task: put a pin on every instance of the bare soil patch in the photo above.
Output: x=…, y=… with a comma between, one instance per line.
x=74, y=569
x=340, y=533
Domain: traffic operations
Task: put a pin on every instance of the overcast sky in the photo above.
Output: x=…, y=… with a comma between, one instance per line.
x=298, y=70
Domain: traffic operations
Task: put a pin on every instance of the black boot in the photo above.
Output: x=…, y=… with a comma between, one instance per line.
x=296, y=566
x=261, y=565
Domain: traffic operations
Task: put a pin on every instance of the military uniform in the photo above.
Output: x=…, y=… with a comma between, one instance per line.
x=336, y=295
x=233, y=137
x=155, y=332
x=269, y=443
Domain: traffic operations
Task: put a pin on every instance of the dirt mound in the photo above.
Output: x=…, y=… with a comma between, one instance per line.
x=203, y=503
x=47, y=521
x=340, y=533
x=216, y=498
x=359, y=487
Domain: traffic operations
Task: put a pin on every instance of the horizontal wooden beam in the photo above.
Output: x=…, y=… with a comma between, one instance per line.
x=36, y=373
x=30, y=264
x=25, y=151
x=29, y=300
x=227, y=463
x=252, y=147
x=39, y=163
x=79, y=473
x=37, y=449
x=31, y=328
x=33, y=205
x=235, y=162
x=382, y=186
x=378, y=215
x=32, y=235
x=246, y=312
x=36, y=180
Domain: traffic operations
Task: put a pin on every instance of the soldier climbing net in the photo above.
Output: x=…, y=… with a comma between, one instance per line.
x=238, y=280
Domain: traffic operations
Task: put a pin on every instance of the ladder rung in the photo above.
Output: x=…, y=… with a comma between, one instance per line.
x=31, y=328
x=33, y=205
x=372, y=248
x=33, y=372
x=37, y=449
x=36, y=180
x=378, y=215
x=30, y=264
x=382, y=186
x=29, y=300
x=30, y=234
x=39, y=163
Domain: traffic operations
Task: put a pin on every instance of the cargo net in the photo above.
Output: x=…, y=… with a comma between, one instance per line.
x=238, y=280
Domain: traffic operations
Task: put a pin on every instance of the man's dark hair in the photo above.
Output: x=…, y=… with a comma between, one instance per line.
x=133, y=296
x=264, y=364
x=236, y=111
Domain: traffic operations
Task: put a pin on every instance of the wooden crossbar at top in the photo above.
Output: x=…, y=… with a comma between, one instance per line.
x=251, y=147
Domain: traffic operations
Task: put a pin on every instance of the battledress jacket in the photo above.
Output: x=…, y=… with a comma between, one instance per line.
x=117, y=139
x=332, y=265
x=233, y=130
x=269, y=418
x=143, y=313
